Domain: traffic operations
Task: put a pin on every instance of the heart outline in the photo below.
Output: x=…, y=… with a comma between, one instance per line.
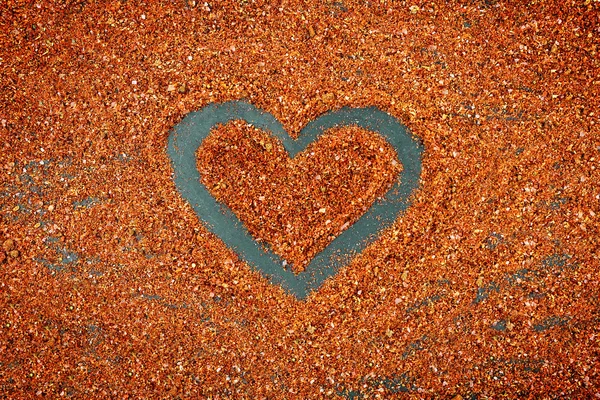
x=185, y=138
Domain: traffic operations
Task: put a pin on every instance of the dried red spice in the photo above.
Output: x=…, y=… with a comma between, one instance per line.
x=487, y=286
x=296, y=205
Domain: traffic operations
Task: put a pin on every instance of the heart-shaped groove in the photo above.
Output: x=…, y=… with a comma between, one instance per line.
x=186, y=137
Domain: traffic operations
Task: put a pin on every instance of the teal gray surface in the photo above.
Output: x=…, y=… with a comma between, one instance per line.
x=186, y=137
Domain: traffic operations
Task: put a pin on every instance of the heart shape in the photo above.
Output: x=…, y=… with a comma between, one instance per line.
x=297, y=206
x=186, y=137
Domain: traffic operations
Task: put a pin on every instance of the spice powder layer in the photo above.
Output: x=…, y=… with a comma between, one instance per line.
x=487, y=286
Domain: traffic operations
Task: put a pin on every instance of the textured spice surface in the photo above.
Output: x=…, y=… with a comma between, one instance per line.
x=488, y=285
x=296, y=205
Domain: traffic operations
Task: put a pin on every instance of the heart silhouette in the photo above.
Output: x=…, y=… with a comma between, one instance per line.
x=186, y=137
x=296, y=205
